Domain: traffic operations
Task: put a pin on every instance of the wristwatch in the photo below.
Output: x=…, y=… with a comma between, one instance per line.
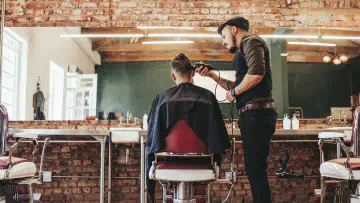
x=232, y=92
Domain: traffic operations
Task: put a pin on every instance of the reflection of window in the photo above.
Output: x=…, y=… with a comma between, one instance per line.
x=10, y=75
x=56, y=92
x=209, y=84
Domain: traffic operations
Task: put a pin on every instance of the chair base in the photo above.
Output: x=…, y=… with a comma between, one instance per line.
x=184, y=192
x=337, y=190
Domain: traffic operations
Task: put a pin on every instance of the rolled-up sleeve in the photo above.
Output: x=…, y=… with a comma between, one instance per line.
x=254, y=50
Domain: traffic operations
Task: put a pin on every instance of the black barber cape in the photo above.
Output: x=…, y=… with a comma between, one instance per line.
x=200, y=110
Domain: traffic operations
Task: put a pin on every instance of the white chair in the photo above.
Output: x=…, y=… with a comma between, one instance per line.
x=344, y=172
x=16, y=171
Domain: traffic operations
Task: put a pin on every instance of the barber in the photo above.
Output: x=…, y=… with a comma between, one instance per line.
x=252, y=93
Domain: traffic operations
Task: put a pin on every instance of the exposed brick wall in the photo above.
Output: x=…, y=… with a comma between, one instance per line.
x=73, y=159
x=195, y=13
x=83, y=159
x=106, y=125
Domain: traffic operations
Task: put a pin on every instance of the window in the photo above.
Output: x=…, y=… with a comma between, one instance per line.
x=10, y=74
x=56, y=92
x=209, y=84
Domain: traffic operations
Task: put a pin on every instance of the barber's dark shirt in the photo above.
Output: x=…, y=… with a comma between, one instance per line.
x=253, y=58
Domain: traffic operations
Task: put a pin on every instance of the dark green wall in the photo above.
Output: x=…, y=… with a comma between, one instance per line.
x=318, y=86
x=133, y=86
x=313, y=86
x=279, y=74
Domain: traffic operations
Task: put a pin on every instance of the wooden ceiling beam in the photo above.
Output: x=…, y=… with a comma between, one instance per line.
x=339, y=49
x=160, y=47
x=304, y=59
x=166, y=57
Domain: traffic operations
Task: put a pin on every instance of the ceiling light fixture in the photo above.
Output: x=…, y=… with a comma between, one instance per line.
x=100, y=35
x=326, y=59
x=343, y=58
x=313, y=44
x=337, y=61
x=341, y=37
x=290, y=36
x=164, y=27
x=185, y=35
x=168, y=42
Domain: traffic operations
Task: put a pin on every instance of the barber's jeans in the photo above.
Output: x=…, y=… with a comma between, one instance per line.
x=257, y=128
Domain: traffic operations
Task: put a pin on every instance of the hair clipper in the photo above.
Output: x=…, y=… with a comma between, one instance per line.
x=197, y=65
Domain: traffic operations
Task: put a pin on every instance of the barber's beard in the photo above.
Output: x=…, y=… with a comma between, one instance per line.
x=233, y=48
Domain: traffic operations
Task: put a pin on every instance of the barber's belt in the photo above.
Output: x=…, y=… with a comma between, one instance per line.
x=267, y=105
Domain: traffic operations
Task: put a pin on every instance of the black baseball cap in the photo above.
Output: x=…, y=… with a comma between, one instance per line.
x=239, y=22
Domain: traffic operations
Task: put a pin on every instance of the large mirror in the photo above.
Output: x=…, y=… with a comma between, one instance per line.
x=87, y=73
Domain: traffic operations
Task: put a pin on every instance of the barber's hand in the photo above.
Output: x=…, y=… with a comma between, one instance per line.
x=203, y=71
x=229, y=97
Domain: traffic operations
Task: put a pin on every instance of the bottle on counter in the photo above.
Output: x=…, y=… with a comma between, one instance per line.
x=145, y=122
x=295, y=122
x=286, y=122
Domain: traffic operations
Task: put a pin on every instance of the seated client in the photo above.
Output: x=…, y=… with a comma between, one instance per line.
x=197, y=109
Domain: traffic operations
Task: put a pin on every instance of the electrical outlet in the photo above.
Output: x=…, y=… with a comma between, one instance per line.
x=229, y=176
x=36, y=196
x=47, y=177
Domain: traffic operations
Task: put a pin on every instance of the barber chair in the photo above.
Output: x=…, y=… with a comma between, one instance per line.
x=16, y=173
x=343, y=172
x=182, y=165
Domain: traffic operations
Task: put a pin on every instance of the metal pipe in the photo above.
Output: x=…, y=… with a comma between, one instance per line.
x=62, y=141
x=208, y=193
x=184, y=191
x=356, y=131
x=132, y=177
x=43, y=158
x=94, y=177
x=142, y=170
x=338, y=149
x=102, y=171
x=309, y=176
x=109, y=173
x=4, y=132
x=127, y=155
x=291, y=141
x=3, y=10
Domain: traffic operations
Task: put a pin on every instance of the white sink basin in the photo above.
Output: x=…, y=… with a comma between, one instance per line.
x=347, y=132
x=125, y=135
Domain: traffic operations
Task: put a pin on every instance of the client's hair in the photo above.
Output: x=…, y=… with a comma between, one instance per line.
x=181, y=64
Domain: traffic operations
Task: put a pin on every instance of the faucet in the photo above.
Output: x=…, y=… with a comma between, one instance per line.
x=342, y=117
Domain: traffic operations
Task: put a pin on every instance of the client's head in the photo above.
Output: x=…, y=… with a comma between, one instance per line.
x=181, y=69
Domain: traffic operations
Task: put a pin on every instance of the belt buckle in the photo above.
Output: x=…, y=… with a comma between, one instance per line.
x=245, y=108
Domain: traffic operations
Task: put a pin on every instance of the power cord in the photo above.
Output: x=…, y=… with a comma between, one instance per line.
x=232, y=151
x=232, y=135
x=217, y=83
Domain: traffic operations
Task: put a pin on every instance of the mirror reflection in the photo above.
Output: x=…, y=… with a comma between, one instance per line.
x=108, y=73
